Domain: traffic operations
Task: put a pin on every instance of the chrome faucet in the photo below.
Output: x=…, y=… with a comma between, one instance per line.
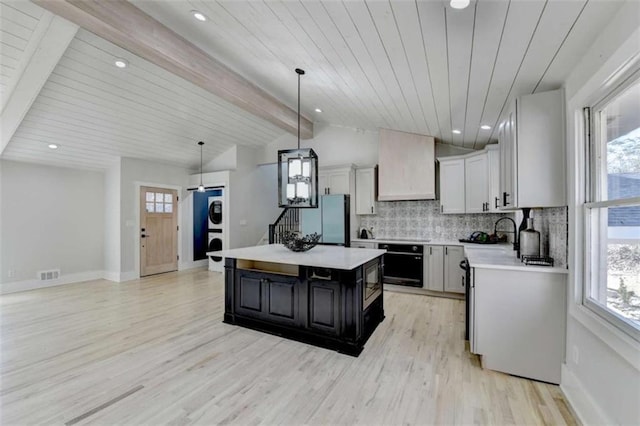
x=516, y=245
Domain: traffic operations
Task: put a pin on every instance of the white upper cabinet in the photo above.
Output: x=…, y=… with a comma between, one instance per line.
x=366, y=190
x=452, y=191
x=493, y=165
x=406, y=169
x=470, y=183
x=476, y=183
x=532, y=152
x=332, y=180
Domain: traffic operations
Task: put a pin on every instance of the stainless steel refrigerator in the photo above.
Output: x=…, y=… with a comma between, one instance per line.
x=331, y=219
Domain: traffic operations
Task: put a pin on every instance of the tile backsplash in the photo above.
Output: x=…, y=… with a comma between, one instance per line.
x=553, y=227
x=423, y=220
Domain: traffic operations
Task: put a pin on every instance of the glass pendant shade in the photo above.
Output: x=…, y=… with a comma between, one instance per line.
x=298, y=178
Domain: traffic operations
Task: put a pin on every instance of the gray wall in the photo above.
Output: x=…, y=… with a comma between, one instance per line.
x=52, y=218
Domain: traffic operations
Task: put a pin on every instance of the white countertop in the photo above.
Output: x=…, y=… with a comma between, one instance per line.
x=483, y=257
x=321, y=256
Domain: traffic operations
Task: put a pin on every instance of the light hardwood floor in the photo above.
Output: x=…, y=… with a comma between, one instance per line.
x=155, y=351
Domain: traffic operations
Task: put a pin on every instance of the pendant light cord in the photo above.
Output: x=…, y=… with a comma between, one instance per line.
x=201, y=143
x=300, y=73
x=298, y=111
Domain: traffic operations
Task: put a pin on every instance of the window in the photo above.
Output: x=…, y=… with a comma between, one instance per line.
x=159, y=202
x=612, y=210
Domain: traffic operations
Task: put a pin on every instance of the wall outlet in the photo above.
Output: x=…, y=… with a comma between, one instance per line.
x=575, y=354
x=243, y=222
x=11, y=273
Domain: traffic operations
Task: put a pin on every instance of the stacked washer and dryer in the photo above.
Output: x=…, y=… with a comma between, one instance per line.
x=216, y=229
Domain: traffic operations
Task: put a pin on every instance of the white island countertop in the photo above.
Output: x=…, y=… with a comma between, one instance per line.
x=481, y=257
x=320, y=256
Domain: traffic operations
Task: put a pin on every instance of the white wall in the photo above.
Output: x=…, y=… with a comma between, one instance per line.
x=52, y=218
x=112, y=222
x=228, y=160
x=253, y=192
x=135, y=172
x=601, y=377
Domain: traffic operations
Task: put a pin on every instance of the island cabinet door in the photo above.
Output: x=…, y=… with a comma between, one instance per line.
x=249, y=294
x=267, y=296
x=324, y=306
x=281, y=299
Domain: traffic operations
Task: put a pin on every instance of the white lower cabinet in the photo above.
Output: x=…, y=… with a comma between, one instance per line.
x=517, y=321
x=453, y=275
x=442, y=269
x=360, y=244
x=434, y=268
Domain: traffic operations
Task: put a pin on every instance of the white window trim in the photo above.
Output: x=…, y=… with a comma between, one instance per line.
x=589, y=189
x=584, y=89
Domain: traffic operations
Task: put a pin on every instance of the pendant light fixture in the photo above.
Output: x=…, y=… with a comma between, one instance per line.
x=298, y=172
x=201, y=186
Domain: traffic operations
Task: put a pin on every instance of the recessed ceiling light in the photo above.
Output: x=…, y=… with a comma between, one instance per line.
x=459, y=4
x=485, y=127
x=456, y=131
x=121, y=63
x=318, y=110
x=53, y=146
x=198, y=15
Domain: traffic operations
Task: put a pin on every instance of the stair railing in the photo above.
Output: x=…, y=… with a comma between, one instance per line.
x=288, y=221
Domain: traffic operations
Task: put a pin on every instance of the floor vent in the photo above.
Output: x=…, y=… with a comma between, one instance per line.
x=52, y=274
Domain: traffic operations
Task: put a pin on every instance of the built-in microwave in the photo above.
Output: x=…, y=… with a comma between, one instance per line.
x=372, y=282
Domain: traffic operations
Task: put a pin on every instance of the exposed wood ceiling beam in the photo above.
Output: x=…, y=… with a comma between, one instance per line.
x=53, y=37
x=123, y=24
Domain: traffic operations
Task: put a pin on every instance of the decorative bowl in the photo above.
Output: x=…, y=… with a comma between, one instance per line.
x=294, y=241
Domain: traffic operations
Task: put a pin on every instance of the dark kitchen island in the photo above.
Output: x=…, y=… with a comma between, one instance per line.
x=329, y=296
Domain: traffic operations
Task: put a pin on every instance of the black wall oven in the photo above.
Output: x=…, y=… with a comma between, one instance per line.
x=403, y=264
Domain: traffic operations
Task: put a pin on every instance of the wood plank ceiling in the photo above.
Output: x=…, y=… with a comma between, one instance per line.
x=18, y=30
x=416, y=66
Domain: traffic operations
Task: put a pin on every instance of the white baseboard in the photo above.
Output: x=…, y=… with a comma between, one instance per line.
x=111, y=276
x=128, y=276
x=64, y=279
x=118, y=277
x=193, y=264
x=580, y=401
